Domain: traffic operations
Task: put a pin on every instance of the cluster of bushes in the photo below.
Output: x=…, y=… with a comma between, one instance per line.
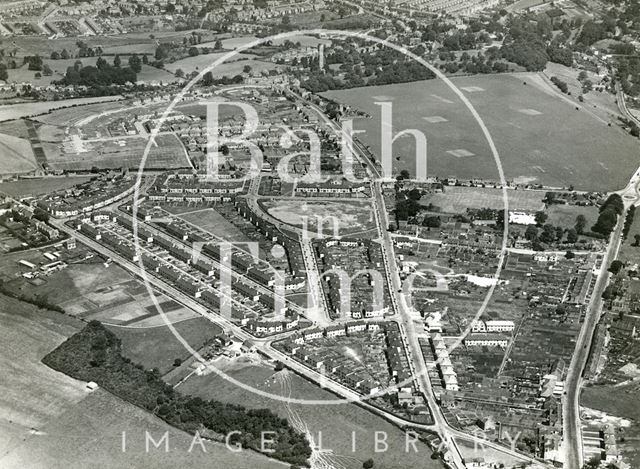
x=561, y=85
x=94, y=354
x=608, y=217
x=628, y=221
x=102, y=75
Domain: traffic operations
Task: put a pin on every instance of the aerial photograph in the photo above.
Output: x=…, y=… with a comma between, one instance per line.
x=330, y=234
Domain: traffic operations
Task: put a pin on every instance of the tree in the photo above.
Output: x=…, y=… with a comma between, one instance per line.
x=101, y=63
x=606, y=222
x=207, y=79
x=117, y=61
x=4, y=74
x=246, y=69
x=46, y=70
x=35, y=62
x=636, y=240
x=135, y=63
x=431, y=222
x=531, y=233
x=193, y=51
x=177, y=362
x=64, y=54
x=404, y=174
x=581, y=223
x=162, y=52
x=548, y=233
x=217, y=45
x=286, y=20
x=615, y=267
x=572, y=235
x=179, y=73
x=40, y=214
x=569, y=255
x=145, y=59
x=55, y=55
x=415, y=194
x=540, y=218
x=368, y=464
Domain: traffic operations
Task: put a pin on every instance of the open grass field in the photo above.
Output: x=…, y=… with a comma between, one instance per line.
x=157, y=347
x=32, y=394
x=16, y=155
x=90, y=435
x=166, y=152
x=335, y=423
x=210, y=220
x=199, y=62
x=349, y=218
x=73, y=116
x=456, y=199
x=540, y=138
x=565, y=215
x=149, y=73
x=35, y=187
x=16, y=111
x=113, y=44
x=24, y=75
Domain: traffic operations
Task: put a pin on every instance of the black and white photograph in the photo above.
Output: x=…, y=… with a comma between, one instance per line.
x=330, y=234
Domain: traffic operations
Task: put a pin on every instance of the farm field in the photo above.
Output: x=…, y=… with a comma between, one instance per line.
x=456, y=199
x=350, y=217
x=33, y=394
x=33, y=187
x=113, y=44
x=335, y=422
x=17, y=155
x=540, y=138
x=24, y=75
x=90, y=435
x=157, y=347
x=17, y=111
x=89, y=290
x=199, y=62
x=235, y=42
x=149, y=73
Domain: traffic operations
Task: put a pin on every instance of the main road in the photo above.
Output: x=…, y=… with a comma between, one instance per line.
x=405, y=313
x=572, y=430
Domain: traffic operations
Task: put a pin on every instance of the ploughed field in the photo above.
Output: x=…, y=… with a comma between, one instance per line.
x=540, y=137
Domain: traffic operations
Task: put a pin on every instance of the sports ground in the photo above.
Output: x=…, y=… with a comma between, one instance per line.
x=540, y=138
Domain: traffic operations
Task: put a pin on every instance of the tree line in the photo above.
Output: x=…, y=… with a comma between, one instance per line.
x=95, y=354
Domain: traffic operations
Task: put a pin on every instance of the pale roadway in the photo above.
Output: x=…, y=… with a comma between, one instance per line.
x=572, y=431
x=262, y=344
x=398, y=301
